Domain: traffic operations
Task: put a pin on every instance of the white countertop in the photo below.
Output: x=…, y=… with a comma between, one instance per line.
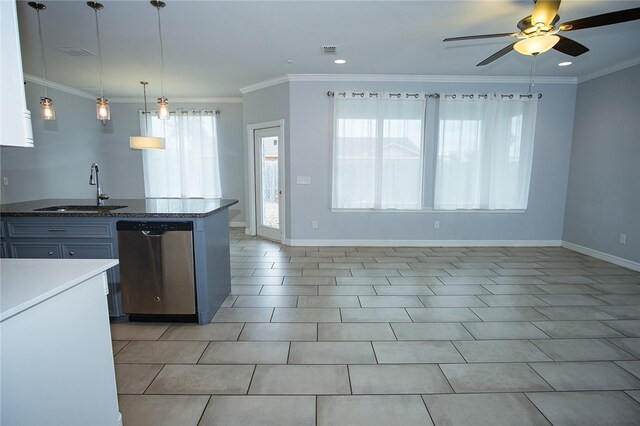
x=26, y=282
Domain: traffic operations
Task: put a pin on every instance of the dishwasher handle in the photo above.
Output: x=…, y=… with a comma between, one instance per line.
x=153, y=233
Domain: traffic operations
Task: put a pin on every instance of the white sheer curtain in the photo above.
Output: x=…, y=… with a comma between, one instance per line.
x=485, y=151
x=188, y=166
x=378, y=150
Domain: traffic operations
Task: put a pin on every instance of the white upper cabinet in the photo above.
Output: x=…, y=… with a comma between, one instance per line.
x=14, y=115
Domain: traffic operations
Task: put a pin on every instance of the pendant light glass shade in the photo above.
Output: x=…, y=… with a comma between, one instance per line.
x=46, y=109
x=163, y=103
x=145, y=142
x=102, y=104
x=536, y=45
x=46, y=103
x=102, y=109
x=163, y=108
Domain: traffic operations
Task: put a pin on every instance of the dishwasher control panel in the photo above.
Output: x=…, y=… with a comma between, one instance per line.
x=154, y=226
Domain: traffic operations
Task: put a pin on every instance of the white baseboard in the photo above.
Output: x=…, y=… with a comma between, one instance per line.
x=237, y=224
x=602, y=256
x=423, y=243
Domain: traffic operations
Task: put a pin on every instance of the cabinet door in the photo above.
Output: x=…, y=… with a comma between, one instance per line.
x=88, y=251
x=35, y=250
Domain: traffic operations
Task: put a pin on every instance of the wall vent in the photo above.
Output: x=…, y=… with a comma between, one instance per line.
x=329, y=49
x=75, y=51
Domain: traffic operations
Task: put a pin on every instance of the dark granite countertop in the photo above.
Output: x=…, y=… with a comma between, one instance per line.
x=140, y=207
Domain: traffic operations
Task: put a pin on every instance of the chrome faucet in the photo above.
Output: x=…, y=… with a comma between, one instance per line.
x=95, y=180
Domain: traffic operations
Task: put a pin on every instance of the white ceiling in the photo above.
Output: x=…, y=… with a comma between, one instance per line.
x=213, y=48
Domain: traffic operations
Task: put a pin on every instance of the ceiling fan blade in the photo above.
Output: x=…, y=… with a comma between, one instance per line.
x=475, y=37
x=500, y=53
x=570, y=47
x=601, y=20
x=545, y=11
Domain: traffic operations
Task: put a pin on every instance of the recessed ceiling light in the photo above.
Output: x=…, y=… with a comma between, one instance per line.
x=339, y=61
x=564, y=64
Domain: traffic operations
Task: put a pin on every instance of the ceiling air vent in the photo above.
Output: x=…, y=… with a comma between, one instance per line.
x=75, y=51
x=329, y=49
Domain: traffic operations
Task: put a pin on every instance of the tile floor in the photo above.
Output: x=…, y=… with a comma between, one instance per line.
x=395, y=336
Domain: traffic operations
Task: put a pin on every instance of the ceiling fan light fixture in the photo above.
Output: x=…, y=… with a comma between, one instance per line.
x=535, y=45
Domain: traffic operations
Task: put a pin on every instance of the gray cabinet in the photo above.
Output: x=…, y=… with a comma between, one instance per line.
x=65, y=238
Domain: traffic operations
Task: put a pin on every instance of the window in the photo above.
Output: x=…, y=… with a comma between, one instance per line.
x=188, y=166
x=485, y=151
x=378, y=150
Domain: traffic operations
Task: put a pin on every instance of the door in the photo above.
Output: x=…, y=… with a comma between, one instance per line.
x=268, y=191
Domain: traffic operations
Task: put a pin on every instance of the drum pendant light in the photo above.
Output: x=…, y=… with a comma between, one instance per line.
x=146, y=142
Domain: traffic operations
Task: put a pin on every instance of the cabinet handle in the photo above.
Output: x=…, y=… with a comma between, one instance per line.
x=50, y=253
x=57, y=230
x=71, y=253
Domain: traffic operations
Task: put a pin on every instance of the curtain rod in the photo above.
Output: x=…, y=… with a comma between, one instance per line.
x=437, y=95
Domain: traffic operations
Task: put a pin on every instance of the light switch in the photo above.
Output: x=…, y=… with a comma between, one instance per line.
x=303, y=180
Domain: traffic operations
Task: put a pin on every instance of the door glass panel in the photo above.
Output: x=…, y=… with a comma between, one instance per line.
x=270, y=192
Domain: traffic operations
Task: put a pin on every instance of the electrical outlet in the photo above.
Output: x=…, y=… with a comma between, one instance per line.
x=5, y=181
x=314, y=224
x=623, y=238
x=436, y=224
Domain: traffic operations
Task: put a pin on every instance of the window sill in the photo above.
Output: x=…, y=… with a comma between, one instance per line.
x=426, y=210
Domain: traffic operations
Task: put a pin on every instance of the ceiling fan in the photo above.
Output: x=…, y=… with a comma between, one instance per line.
x=539, y=33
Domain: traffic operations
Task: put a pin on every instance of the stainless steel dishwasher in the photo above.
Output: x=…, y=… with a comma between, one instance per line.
x=157, y=278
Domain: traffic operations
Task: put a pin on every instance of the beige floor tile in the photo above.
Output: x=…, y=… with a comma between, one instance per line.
x=217, y=331
x=458, y=290
x=565, y=376
x=289, y=290
x=412, y=281
x=260, y=411
x=403, y=290
x=280, y=331
x=162, y=410
x=500, y=409
x=331, y=353
x=516, y=313
x=306, y=315
x=442, y=314
x=117, y=345
x=300, y=380
x=346, y=290
x=416, y=352
x=576, y=329
x=407, y=410
x=137, y=330
x=582, y=350
x=390, y=302
x=630, y=328
x=500, y=351
x=243, y=315
x=355, y=332
x=374, y=315
x=135, y=378
x=245, y=353
x=266, y=302
x=451, y=301
x=504, y=330
x=397, y=379
x=202, y=379
x=164, y=352
x=431, y=331
x=309, y=281
x=494, y=377
x=362, y=281
x=328, y=302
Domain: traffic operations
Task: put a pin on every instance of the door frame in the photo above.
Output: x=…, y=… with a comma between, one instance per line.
x=252, y=225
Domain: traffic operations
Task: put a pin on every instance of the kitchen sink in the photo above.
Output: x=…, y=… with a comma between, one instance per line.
x=79, y=208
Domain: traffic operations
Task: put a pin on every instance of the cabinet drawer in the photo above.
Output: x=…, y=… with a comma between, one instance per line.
x=87, y=251
x=34, y=251
x=59, y=230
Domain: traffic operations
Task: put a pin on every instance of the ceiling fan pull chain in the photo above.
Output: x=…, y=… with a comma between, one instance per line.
x=533, y=70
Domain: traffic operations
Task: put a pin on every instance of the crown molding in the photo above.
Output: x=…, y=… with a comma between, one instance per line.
x=406, y=79
x=61, y=87
x=609, y=70
x=174, y=100
x=265, y=84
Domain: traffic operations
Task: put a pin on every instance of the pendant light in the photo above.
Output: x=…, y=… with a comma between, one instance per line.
x=146, y=142
x=163, y=103
x=102, y=104
x=46, y=103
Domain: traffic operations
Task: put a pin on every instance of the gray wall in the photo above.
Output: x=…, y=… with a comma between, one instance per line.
x=603, y=199
x=58, y=164
x=310, y=155
x=261, y=106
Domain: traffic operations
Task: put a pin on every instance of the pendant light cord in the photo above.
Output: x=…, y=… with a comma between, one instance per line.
x=99, y=51
x=44, y=68
x=144, y=114
x=531, y=74
x=161, y=54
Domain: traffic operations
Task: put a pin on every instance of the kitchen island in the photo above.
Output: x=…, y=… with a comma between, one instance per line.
x=56, y=362
x=78, y=229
